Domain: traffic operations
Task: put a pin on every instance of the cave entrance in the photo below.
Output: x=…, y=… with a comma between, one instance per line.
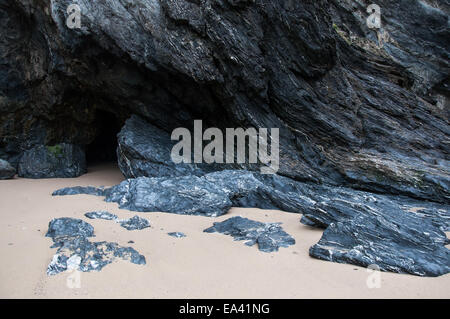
x=103, y=148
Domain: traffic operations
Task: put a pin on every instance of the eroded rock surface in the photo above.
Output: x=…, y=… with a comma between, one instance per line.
x=62, y=160
x=101, y=215
x=134, y=223
x=269, y=236
x=77, y=252
x=6, y=170
x=177, y=234
x=77, y=190
x=420, y=234
x=356, y=107
x=408, y=242
x=210, y=195
x=144, y=150
x=69, y=227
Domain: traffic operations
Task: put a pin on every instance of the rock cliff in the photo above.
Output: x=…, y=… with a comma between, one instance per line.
x=365, y=108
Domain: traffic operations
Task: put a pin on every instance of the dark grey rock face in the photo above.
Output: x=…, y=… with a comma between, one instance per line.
x=6, y=170
x=176, y=234
x=269, y=236
x=76, y=252
x=357, y=108
x=134, y=223
x=395, y=233
x=101, y=215
x=62, y=160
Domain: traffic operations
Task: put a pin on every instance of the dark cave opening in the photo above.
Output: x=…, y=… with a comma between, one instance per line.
x=103, y=148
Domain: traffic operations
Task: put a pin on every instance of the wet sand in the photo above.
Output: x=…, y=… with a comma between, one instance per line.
x=199, y=266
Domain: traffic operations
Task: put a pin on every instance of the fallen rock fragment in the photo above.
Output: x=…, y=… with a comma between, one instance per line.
x=402, y=242
x=79, y=190
x=6, y=170
x=210, y=195
x=68, y=227
x=269, y=236
x=133, y=223
x=76, y=252
x=176, y=234
x=61, y=160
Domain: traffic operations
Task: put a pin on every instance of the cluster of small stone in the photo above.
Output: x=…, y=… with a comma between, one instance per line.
x=77, y=252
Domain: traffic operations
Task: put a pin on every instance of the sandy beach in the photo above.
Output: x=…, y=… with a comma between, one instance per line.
x=201, y=265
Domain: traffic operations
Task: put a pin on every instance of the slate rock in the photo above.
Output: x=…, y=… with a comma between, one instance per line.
x=93, y=255
x=356, y=107
x=77, y=190
x=210, y=195
x=101, y=215
x=144, y=150
x=402, y=242
x=61, y=160
x=134, y=223
x=181, y=195
x=269, y=236
x=69, y=227
x=76, y=252
x=320, y=205
x=176, y=234
x=6, y=170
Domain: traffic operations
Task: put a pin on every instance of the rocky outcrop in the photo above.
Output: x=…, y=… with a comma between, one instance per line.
x=269, y=236
x=357, y=107
x=412, y=242
x=101, y=215
x=6, y=170
x=75, y=251
x=210, y=195
x=61, y=160
x=88, y=190
x=363, y=113
x=134, y=223
x=144, y=150
x=176, y=234
x=397, y=233
x=69, y=227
